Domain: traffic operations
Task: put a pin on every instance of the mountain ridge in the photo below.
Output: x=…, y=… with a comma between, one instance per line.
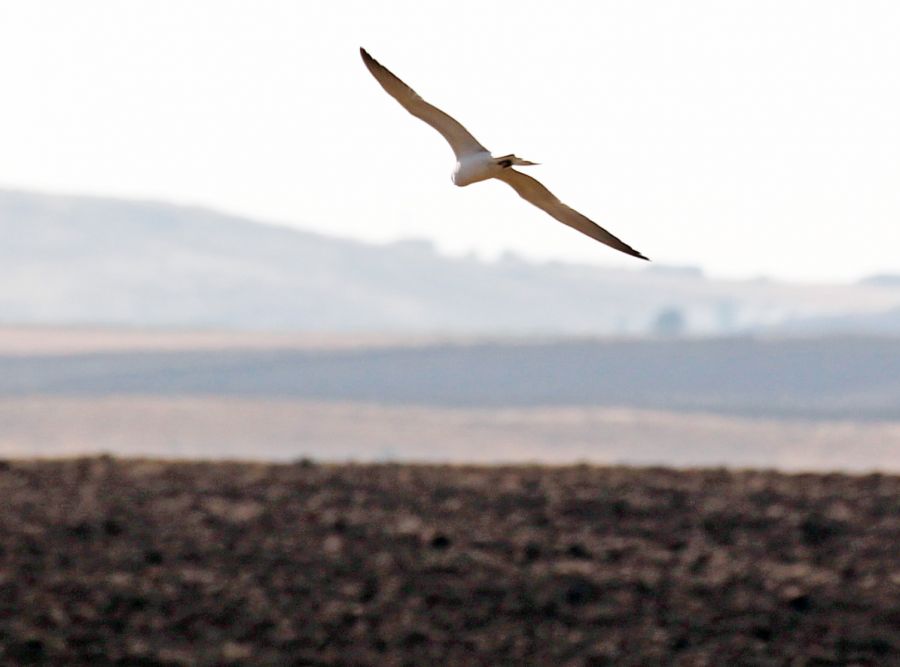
x=71, y=259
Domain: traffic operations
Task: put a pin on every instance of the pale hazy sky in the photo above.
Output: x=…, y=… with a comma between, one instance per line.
x=751, y=137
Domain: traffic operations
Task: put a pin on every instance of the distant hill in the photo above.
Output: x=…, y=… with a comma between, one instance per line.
x=885, y=323
x=94, y=261
x=882, y=280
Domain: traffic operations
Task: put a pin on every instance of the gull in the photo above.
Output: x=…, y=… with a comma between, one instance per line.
x=475, y=163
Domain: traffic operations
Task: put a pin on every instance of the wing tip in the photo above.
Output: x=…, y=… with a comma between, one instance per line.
x=634, y=253
x=367, y=58
x=373, y=65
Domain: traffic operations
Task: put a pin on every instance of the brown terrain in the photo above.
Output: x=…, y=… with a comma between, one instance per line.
x=142, y=562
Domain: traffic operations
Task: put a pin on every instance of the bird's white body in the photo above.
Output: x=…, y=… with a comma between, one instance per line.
x=474, y=167
x=475, y=163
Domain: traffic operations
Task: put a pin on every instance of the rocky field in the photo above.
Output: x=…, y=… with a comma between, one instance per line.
x=133, y=562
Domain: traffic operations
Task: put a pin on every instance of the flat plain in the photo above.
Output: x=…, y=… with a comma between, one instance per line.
x=215, y=427
x=790, y=404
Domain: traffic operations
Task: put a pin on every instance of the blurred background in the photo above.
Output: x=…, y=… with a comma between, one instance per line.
x=222, y=239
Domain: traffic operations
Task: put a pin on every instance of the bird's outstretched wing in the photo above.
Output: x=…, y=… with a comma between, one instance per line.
x=456, y=135
x=533, y=191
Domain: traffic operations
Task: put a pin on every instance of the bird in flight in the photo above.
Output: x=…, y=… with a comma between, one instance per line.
x=475, y=163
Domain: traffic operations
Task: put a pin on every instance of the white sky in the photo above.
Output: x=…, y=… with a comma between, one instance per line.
x=757, y=137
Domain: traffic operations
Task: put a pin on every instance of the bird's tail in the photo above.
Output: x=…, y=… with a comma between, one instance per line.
x=510, y=160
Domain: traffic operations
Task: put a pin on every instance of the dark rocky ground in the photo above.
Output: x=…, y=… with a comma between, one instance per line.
x=106, y=561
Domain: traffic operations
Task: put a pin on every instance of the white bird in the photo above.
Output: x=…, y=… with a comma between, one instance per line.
x=475, y=163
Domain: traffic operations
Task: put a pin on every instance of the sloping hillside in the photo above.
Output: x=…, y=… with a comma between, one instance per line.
x=78, y=260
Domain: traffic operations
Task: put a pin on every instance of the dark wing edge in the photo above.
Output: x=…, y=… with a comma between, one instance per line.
x=534, y=192
x=459, y=138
